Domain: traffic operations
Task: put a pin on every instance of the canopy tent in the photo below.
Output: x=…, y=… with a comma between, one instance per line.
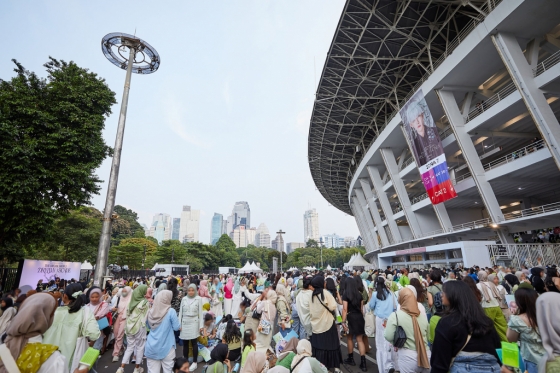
x=246, y=268
x=293, y=269
x=255, y=268
x=86, y=265
x=309, y=268
x=357, y=261
x=329, y=268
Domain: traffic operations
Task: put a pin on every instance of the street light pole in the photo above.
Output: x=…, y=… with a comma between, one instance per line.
x=144, y=258
x=321, y=243
x=114, y=47
x=280, y=233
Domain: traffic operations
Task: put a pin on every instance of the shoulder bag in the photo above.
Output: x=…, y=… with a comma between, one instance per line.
x=294, y=367
x=264, y=326
x=399, y=338
x=333, y=313
x=81, y=342
x=465, y=345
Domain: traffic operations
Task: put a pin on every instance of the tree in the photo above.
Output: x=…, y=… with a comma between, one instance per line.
x=228, y=256
x=170, y=251
x=140, y=243
x=50, y=146
x=312, y=243
x=131, y=218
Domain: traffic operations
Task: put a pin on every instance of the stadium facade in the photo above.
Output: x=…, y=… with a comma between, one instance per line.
x=482, y=79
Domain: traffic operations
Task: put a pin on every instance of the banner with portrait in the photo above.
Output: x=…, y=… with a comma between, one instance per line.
x=425, y=143
x=35, y=270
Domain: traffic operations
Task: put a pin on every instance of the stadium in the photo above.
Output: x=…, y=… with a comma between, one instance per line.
x=435, y=125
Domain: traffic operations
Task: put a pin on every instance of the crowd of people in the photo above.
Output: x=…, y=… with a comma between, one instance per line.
x=438, y=320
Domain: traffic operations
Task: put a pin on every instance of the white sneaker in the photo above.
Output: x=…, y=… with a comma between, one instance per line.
x=120, y=370
x=193, y=367
x=115, y=359
x=138, y=370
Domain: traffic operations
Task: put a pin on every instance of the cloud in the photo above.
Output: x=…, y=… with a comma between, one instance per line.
x=302, y=121
x=175, y=121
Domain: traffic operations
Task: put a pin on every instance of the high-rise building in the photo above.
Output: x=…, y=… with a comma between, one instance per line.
x=176, y=227
x=291, y=246
x=146, y=230
x=278, y=243
x=311, y=225
x=350, y=241
x=189, y=227
x=161, y=227
x=262, y=237
x=251, y=235
x=239, y=236
x=216, y=229
x=240, y=215
x=331, y=241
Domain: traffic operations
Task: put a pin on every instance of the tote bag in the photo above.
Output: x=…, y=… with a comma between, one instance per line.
x=81, y=343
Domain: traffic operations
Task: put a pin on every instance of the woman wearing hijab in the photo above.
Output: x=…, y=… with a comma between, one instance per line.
x=192, y=321
x=237, y=298
x=324, y=338
x=303, y=362
x=228, y=297
x=149, y=295
x=491, y=304
x=121, y=306
x=160, y=345
x=266, y=306
x=69, y=321
x=503, y=292
x=536, y=279
x=465, y=338
x=549, y=328
x=256, y=363
x=218, y=362
x=216, y=306
x=24, y=338
x=135, y=328
x=414, y=356
x=203, y=291
x=99, y=309
x=511, y=282
x=8, y=313
x=283, y=306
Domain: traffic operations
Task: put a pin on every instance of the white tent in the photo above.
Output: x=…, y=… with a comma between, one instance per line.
x=329, y=267
x=293, y=269
x=357, y=260
x=255, y=268
x=246, y=268
x=86, y=265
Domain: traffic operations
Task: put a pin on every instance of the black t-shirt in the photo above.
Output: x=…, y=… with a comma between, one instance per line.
x=451, y=335
x=351, y=308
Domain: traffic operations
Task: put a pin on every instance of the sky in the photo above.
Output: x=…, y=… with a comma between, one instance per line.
x=226, y=116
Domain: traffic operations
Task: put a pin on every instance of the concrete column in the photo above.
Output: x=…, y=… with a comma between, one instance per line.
x=402, y=194
x=469, y=153
x=522, y=75
x=366, y=217
x=361, y=226
x=368, y=228
x=443, y=217
x=384, y=202
x=374, y=212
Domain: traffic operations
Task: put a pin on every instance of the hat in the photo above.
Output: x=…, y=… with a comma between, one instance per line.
x=525, y=285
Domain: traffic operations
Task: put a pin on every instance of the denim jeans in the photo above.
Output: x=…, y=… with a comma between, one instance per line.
x=475, y=362
x=530, y=366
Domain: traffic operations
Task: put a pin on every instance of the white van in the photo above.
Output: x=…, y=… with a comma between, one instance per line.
x=171, y=269
x=226, y=270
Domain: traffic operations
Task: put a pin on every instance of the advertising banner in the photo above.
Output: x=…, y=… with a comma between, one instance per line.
x=426, y=147
x=35, y=270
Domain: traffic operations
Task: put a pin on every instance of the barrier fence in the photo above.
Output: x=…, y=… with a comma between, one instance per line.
x=529, y=255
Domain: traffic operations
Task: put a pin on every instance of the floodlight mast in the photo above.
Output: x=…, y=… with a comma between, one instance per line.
x=121, y=42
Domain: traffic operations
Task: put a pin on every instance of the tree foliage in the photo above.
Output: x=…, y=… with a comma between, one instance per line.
x=50, y=146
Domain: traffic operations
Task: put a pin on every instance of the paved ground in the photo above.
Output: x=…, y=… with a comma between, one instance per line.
x=104, y=364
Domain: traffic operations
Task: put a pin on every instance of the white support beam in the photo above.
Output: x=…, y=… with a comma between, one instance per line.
x=468, y=150
x=365, y=229
x=532, y=52
x=522, y=75
x=374, y=211
x=402, y=195
x=361, y=226
x=368, y=224
x=384, y=202
x=442, y=216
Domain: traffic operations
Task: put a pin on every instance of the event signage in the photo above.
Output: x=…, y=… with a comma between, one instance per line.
x=424, y=140
x=35, y=270
x=416, y=250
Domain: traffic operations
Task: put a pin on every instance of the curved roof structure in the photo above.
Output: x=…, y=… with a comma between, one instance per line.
x=381, y=52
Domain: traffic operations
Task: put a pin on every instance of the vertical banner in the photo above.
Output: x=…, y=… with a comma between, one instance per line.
x=426, y=146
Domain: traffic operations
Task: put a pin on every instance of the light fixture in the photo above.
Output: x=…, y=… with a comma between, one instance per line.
x=520, y=188
x=494, y=225
x=476, y=203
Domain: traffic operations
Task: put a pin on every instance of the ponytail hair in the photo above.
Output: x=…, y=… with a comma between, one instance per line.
x=77, y=302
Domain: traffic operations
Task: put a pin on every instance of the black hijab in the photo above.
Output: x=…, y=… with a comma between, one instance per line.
x=536, y=279
x=509, y=282
x=218, y=354
x=318, y=283
x=9, y=303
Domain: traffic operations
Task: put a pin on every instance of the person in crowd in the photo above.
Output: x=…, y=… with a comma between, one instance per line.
x=219, y=362
x=324, y=337
x=304, y=362
x=257, y=362
x=503, y=292
x=549, y=328
x=203, y=291
x=135, y=328
x=8, y=313
x=436, y=316
x=208, y=330
x=383, y=302
x=537, y=274
x=20, y=299
x=287, y=355
x=472, y=285
x=232, y=337
x=303, y=300
x=249, y=345
x=119, y=322
x=403, y=280
x=491, y=304
x=228, y=296
x=237, y=297
x=160, y=345
x=523, y=328
x=434, y=292
x=24, y=338
x=70, y=322
x=266, y=307
x=331, y=287
x=216, y=293
x=552, y=281
x=192, y=321
x=283, y=306
x=352, y=312
x=181, y=365
x=414, y=356
x=421, y=296
x=99, y=309
x=512, y=282
x=465, y=337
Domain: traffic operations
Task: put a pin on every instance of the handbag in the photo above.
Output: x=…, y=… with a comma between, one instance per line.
x=399, y=338
x=264, y=326
x=81, y=343
x=256, y=315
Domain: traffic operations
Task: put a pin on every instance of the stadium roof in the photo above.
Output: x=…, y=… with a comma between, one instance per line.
x=381, y=52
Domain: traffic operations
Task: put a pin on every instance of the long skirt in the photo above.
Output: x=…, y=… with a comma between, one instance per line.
x=326, y=347
x=408, y=361
x=384, y=350
x=496, y=315
x=118, y=330
x=217, y=308
x=236, y=301
x=227, y=307
x=263, y=340
x=252, y=324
